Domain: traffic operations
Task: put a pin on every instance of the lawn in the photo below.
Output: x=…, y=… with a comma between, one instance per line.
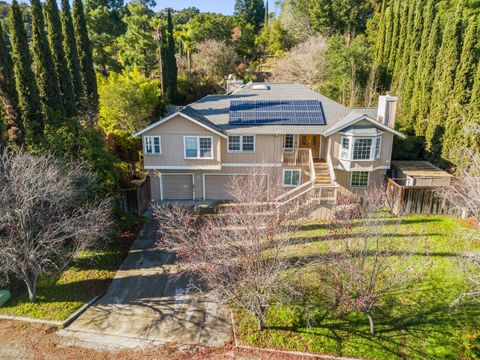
x=60, y=295
x=416, y=324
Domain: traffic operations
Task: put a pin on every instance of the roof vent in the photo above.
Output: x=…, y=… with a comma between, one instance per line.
x=260, y=87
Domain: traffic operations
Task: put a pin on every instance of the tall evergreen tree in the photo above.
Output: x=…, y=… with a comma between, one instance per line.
x=464, y=79
x=473, y=113
x=28, y=97
x=55, y=38
x=448, y=56
x=8, y=95
x=45, y=74
x=71, y=53
x=395, y=34
x=169, y=63
x=389, y=16
x=85, y=57
x=251, y=12
x=421, y=101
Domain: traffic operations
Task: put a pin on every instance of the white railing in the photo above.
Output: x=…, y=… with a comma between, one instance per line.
x=297, y=156
x=331, y=170
x=313, y=176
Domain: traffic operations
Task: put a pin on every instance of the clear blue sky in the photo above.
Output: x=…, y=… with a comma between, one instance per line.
x=219, y=6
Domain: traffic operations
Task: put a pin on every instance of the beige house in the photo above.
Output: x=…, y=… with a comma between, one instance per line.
x=297, y=137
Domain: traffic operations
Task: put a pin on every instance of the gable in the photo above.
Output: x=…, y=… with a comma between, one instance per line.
x=362, y=120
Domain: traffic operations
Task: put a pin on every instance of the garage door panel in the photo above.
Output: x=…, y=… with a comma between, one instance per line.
x=177, y=187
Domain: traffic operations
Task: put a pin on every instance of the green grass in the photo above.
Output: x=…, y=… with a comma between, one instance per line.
x=415, y=324
x=60, y=295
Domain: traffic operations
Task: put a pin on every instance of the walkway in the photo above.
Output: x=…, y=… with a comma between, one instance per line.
x=149, y=303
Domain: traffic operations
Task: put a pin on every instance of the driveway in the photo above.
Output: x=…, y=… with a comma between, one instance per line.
x=149, y=303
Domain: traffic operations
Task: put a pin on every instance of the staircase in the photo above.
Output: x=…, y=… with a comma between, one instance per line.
x=322, y=174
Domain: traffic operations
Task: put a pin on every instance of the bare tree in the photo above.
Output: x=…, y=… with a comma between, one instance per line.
x=46, y=215
x=364, y=265
x=238, y=254
x=305, y=63
x=215, y=59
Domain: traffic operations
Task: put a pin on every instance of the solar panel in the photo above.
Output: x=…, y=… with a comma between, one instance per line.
x=280, y=112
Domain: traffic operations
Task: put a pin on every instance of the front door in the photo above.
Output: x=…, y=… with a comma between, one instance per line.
x=311, y=142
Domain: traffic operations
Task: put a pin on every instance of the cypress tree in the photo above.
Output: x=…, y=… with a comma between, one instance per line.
x=411, y=67
x=404, y=12
x=395, y=35
x=85, y=57
x=421, y=101
x=428, y=19
x=28, y=97
x=388, y=33
x=55, y=38
x=169, y=62
x=45, y=74
x=473, y=113
x=448, y=59
x=71, y=54
x=464, y=79
x=8, y=95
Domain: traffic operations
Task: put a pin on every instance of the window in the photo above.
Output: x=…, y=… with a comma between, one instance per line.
x=362, y=149
x=289, y=141
x=239, y=143
x=152, y=145
x=345, y=149
x=360, y=178
x=198, y=147
x=291, y=177
x=378, y=142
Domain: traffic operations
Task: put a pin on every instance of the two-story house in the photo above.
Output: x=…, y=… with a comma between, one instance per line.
x=294, y=134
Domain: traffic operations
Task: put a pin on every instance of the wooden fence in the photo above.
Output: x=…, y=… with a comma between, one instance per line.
x=135, y=201
x=404, y=200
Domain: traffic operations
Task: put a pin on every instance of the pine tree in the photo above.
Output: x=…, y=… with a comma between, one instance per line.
x=448, y=59
x=55, y=37
x=251, y=12
x=28, y=97
x=71, y=53
x=464, y=79
x=411, y=109
x=267, y=13
x=8, y=95
x=169, y=63
x=45, y=74
x=422, y=100
x=85, y=57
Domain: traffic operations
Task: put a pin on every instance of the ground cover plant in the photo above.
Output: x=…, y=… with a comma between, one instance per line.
x=58, y=296
x=418, y=321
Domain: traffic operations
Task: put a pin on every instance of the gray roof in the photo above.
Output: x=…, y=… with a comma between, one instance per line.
x=370, y=112
x=189, y=111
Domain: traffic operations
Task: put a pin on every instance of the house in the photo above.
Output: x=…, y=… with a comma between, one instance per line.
x=298, y=137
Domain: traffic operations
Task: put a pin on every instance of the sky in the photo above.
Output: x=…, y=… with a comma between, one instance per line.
x=221, y=6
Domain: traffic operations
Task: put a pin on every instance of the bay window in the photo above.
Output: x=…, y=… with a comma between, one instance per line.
x=360, y=149
x=198, y=147
x=241, y=143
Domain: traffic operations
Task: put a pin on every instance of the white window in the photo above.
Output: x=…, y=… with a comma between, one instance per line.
x=378, y=144
x=152, y=145
x=359, y=179
x=345, y=148
x=241, y=143
x=291, y=177
x=198, y=147
x=362, y=149
x=289, y=141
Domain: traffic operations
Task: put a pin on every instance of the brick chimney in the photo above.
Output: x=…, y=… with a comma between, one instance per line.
x=387, y=106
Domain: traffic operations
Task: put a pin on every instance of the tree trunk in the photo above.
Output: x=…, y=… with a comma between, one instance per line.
x=31, y=282
x=372, y=325
x=260, y=323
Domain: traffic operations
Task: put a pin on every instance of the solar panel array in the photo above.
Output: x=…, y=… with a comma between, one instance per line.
x=280, y=112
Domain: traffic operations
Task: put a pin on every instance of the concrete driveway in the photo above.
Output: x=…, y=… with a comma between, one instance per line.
x=149, y=303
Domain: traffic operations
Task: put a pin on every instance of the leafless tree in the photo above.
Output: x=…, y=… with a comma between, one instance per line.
x=215, y=59
x=46, y=215
x=238, y=254
x=305, y=63
x=363, y=264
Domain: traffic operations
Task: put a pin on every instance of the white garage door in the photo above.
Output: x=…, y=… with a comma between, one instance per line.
x=177, y=186
x=217, y=187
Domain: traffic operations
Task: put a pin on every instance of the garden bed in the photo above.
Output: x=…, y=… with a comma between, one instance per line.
x=88, y=275
x=417, y=323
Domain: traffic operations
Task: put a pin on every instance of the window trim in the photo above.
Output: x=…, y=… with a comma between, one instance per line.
x=241, y=143
x=379, y=139
x=351, y=148
x=360, y=186
x=152, y=137
x=292, y=170
x=198, y=157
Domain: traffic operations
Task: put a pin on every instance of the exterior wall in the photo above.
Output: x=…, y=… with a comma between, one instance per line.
x=268, y=150
x=377, y=177
x=171, y=137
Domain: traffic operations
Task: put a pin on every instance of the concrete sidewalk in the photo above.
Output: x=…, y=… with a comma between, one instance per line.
x=149, y=303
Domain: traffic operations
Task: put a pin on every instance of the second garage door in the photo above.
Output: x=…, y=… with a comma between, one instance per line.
x=177, y=187
x=217, y=187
